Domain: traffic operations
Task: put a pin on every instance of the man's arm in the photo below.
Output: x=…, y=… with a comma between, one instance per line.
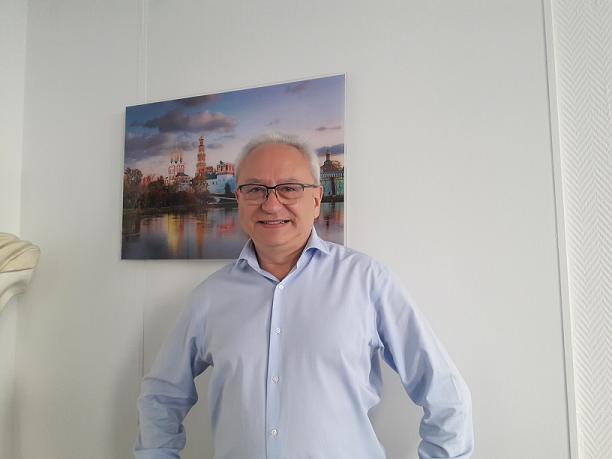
x=168, y=390
x=427, y=373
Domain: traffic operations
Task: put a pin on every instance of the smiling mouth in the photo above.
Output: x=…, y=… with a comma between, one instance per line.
x=273, y=222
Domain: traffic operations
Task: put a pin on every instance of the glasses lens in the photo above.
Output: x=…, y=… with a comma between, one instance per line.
x=289, y=191
x=253, y=192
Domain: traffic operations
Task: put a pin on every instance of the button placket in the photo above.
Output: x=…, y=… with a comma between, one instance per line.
x=272, y=388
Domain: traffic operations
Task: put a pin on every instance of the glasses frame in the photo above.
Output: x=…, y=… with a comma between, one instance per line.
x=278, y=198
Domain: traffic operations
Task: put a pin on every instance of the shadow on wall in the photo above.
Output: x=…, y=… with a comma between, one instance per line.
x=396, y=419
x=124, y=401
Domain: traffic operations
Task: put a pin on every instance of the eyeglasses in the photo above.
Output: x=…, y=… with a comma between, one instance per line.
x=286, y=193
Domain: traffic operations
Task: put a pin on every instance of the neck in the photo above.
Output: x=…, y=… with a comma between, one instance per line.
x=278, y=263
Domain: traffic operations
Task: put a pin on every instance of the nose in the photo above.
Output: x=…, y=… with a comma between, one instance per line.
x=271, y=203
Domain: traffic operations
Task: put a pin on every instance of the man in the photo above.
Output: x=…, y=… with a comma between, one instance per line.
x=295, y=329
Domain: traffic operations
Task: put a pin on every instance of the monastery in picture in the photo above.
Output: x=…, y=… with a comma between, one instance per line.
x=221, y=179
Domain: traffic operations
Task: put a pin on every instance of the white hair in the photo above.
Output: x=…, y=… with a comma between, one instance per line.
x=283, y=139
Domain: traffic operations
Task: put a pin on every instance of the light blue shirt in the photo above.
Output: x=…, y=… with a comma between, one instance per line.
x=296, y=363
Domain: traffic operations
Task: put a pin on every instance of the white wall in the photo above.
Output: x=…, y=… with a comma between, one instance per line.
x=80, y=322
x=446, y=100
x=13, y=15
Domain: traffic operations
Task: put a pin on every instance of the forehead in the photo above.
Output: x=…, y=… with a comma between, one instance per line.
x=275, y=161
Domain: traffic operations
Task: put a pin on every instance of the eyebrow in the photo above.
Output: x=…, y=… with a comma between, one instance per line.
x=283, y=180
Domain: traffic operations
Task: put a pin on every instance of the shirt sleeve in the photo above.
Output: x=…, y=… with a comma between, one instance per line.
x=168, y=391
x=427, y=373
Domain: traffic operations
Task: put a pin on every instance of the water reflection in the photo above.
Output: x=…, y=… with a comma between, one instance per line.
x=330, y=224
x=211, y=233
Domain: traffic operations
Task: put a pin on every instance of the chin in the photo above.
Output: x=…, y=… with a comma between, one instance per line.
x=278, y=238
x=273, y=240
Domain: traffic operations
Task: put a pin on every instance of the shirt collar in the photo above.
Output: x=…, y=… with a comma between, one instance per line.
x=314, y=243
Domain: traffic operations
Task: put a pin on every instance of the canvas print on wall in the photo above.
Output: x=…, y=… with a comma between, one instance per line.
x=179, y=179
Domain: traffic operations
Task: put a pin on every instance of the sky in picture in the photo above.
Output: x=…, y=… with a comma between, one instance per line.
x=312, y=109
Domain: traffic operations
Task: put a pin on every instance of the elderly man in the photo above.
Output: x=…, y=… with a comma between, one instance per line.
x=294, y=331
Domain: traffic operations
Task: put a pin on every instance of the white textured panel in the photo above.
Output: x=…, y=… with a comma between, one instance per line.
x=583, y=49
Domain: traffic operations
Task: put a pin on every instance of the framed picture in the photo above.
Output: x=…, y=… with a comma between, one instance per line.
x=179, y=170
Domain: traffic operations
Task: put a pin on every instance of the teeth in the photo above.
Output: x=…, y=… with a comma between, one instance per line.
x=274, y=222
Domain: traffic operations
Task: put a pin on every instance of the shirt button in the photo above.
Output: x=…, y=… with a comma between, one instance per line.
x=275, y=379
x=281, y=286
x=277, y=331
x=274, y=432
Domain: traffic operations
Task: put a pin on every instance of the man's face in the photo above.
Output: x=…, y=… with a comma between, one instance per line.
x=271, y=225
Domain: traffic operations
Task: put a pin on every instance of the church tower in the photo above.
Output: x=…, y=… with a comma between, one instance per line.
x=171, y=169
x=179, y=160
x=201, y=164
